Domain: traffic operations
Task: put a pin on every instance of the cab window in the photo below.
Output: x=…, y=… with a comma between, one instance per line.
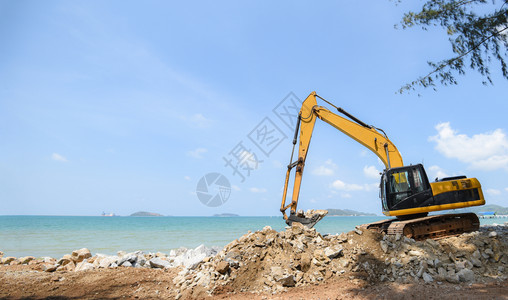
x=418, y=181
x=399, y=182
x=399, y=187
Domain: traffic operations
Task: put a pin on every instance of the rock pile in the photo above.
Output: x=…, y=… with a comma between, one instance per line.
x=82, y=260
x=272, y=261
x=469, y=257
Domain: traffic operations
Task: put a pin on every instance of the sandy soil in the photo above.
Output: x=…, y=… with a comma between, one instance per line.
x=27, y=282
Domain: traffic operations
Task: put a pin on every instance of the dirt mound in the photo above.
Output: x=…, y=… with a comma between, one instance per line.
x=271, y=261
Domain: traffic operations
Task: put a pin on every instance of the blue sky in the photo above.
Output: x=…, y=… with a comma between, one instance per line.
x=121, y=106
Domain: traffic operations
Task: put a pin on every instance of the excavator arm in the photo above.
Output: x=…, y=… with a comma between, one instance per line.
x=364, y=134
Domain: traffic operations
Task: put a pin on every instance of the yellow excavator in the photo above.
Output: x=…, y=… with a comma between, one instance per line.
x=405, y=191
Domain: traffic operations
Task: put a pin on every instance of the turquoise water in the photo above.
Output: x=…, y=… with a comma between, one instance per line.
x=58, y=235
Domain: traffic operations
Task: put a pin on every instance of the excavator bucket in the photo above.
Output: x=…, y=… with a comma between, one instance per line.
x=308, y=219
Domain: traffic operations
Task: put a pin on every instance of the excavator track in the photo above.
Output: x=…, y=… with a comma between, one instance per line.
x=432, y=227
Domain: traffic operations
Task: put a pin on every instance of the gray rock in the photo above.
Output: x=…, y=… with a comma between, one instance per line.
x=432, y=243
x=420, y=272
x=466, y=275
x=437, y=263
x=141, y=261
x=493, y=234
x=126, y=264
x=159, y=263
x=108, y=261
x=453, y=277
x=427, y=277
x=233, y=263
x=384, y=246
x=193, y=257
x=476, y=262
x=130, y=257
x=441, y=272
x=459, y=265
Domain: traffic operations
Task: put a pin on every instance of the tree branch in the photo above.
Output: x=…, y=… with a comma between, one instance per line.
x=450, y=61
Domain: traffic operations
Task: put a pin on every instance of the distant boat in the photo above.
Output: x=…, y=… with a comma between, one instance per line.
x=107, y=214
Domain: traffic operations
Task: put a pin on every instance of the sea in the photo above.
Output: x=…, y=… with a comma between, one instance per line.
x=55, y=236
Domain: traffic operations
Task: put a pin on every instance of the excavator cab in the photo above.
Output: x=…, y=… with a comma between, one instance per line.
x=404, y=188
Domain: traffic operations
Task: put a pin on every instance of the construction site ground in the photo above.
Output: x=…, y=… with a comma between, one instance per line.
x=20, y=282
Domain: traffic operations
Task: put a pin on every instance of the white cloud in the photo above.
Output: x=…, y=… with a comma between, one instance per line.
x=493, y=192
x=350, y=187
x=257, y=190
x=58, y=157
x=371, y=172
x=506, y=189
x=322, y=171
x=248, y=159
x=236, y=188
x=342, y=186
x=197, y=153
x=485, y=151
x=197, y=120
x=328, y=169
x=345, y=195
x=187, y=178
x=437, y=171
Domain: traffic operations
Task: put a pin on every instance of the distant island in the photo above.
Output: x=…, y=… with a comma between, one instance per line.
x=226, y=215
x=145, y=214
x=346, y=212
